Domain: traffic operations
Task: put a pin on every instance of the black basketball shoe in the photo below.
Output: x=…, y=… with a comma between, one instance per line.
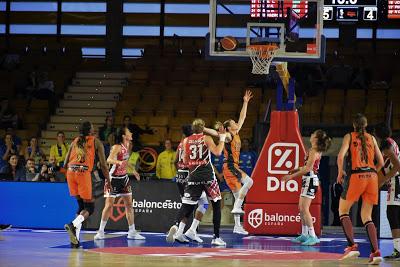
x=71, y=230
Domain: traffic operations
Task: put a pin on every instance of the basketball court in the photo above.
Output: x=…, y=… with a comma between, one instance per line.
x=24, y=247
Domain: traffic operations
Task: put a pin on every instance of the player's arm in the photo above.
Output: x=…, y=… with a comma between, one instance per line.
x=102, y=158
x=378, y=156
x=340, y=157
x=305, y=169
x=210, y=131
x=215, y=149
x=112, y=158
x=66, y=160
x=246, y=98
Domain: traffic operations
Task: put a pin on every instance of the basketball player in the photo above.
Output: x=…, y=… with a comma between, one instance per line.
x=390, y=174
x=233, y=175
x=79, y=163
x=120, y=185
x=181, y=181
x=197, y=148
x=362, y=181
x=320, y=142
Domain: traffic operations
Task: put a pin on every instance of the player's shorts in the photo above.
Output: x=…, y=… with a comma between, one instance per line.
x=193, y=193
x=181, y=180
x=364, y=184
x=393, y=215
x=79, y=183
x=120, y=186
x=233, y=176
x=309, y=185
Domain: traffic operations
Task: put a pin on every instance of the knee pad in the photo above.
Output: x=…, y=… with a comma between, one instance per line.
x=247, y=182
x=80, y=206
x=89, y=207
x=202, y=205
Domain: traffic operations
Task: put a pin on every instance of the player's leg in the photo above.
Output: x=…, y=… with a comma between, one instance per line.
x=201, y=209
x=247, y=183
x=393, y=215
x=304, y=229
x=304, y=205
x=370, y=198
x=352, y=248
x=108, y=205
x=214, y=194
x=132, y=233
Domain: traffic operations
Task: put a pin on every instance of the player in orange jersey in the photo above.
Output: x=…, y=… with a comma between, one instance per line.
x=233, y=175
x=79, y=164
x=362, y=181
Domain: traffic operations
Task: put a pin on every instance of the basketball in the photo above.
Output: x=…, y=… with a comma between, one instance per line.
x=229, y=43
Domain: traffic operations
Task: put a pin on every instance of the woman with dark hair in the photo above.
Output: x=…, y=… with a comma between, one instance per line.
x=107, y=129
x=6, y=149
x=79, y=163
x=320, y=142
x=390, y=175
x=15, y=171
x=34, y=152
x=120, y=185
x=362, y=181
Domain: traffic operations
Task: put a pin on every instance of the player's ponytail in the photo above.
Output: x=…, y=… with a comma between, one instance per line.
x=360, y=123
x=84, y=131
x=323, y=141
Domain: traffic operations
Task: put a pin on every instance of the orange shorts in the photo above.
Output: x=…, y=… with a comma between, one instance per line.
x=80, y=184
x=364, y=184
x=233, y=176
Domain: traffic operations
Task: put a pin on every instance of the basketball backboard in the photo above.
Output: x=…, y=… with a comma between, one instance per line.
x=296, y=26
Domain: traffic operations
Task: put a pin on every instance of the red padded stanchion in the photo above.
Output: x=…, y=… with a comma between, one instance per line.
x=283, y=150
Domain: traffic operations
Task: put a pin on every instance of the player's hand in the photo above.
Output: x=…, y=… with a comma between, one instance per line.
x=247, y=96
x=285, y=178
x=137, y=175
x=340, y=177
x=107, y=185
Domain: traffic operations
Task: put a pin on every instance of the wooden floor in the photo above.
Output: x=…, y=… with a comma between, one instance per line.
x=31, y=248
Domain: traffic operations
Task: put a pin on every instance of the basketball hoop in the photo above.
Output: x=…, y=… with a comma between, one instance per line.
x=261, y=56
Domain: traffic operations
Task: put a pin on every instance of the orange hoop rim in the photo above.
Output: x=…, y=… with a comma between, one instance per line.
x=264, y=49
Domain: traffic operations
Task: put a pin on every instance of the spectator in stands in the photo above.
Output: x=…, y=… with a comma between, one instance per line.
x=136, y=131
x=8, y=116
x=30, y=170
x=34, y=152
x=15, y=171
x=59, y=150
x=248, y=157
x=6, y=149
x=107, y=129
x=108, y=145
x=46, y=174
x=165, y=168
x=133, y=163
x=16, y=140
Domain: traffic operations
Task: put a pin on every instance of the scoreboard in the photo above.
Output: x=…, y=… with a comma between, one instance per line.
x=334, y=10
x=351, y=10
x=394, y=9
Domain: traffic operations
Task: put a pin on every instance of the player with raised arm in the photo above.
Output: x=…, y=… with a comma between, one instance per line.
x=197, y=149
x=320, y=142
x=119, y=184
x=237, y=180
x=361, y=181
x=79, y=163
x=390, y=175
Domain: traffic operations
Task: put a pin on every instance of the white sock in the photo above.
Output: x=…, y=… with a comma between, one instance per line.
x=181, y=228
x=237, y=219
x=78, y=220
x=311, y=231
x=78, y=231
x=396, y=244
x=132, y=228
x=194, y=225
x=304, y=230
x=238, y=203
x=102, y=225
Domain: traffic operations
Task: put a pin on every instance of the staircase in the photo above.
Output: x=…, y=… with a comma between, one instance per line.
x=92, y=96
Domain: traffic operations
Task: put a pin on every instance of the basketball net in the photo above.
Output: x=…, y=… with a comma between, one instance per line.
x=261, y=57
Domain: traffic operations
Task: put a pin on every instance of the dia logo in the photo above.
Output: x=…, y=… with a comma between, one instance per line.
x=255, y=218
